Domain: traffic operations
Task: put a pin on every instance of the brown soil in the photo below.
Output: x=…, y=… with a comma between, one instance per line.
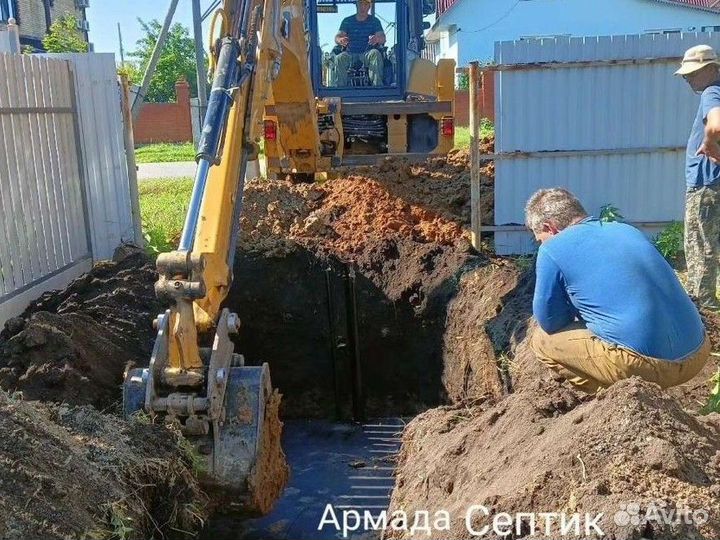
x=271, y=470
x=439, y=323
x=545, y=447
x=402, y=229
x=72, y=472
x=73, y=345
x=694, y=394
x=363, y=220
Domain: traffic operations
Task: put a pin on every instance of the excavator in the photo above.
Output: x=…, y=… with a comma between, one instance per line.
x=273, y=80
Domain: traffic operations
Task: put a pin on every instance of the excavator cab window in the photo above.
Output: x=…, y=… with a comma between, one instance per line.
x=357, y=41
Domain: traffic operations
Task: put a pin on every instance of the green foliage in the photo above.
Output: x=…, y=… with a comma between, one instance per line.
x=177, y=60
x=155, y=241
x=463, y=81
x=118, y=526
x=610, y=213
x=163, y=205
x=64, y=36
x=165, y=152
x=713, y=404
x=462, y=134
x=131, y=71
x=670, y=240
x=197, y=461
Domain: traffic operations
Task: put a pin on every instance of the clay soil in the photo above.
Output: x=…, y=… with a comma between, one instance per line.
x=524, y=441
x=401, y=230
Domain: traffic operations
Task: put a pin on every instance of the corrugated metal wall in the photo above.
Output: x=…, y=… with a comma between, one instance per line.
x=43, y=231
x=603, y=117
x=103, y=150
x=64, y=192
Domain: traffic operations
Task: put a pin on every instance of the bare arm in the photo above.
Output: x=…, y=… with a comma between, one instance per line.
x=377, y=39
x=341, y=38
x=710, y=146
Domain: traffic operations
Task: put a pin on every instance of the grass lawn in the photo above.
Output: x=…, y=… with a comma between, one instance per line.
x=462, y=134
x=165, y=152
x=163, y=204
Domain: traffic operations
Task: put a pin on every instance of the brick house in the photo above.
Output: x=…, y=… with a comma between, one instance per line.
x=34, y=17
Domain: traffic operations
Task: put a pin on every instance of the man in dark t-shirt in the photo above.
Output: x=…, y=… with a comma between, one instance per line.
x=360, y=35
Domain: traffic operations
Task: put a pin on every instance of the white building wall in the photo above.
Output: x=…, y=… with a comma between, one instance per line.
x=480, y=23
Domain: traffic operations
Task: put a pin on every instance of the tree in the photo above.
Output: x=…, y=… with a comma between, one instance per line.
x=64, y=36
x=177, y=60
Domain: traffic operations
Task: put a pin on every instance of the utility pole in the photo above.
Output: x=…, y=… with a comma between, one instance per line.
x=199, y=59
x=122, y=51
x=150, y=70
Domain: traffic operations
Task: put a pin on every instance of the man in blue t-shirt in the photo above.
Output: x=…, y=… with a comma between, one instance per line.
x=608, y=305
x=359, y=37
x=702, y=171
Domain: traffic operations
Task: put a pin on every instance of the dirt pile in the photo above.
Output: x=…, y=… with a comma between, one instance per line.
x=358, y=220
x=73, y=345
x=554, y=453
x=487, y=317
x=72, y=472
x=545, y=447
x=271, y=470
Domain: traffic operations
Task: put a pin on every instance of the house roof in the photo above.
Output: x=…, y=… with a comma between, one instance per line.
x=705, y=5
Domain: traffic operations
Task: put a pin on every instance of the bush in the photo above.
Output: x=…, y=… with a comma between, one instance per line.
x=670, y=241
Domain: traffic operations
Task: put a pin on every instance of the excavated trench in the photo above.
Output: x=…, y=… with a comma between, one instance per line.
x=366, y=299
x=342, y=288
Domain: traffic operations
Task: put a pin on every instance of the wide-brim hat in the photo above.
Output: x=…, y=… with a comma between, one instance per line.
x=697, y=58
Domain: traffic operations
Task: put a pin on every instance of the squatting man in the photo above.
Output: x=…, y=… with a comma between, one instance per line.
x=608, y=305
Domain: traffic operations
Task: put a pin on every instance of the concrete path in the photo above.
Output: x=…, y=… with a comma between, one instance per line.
x=148, y=171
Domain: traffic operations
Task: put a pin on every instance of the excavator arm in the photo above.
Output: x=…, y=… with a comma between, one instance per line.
x=208, y=392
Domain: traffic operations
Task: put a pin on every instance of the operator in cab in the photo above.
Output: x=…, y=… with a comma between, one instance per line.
x=358, y=41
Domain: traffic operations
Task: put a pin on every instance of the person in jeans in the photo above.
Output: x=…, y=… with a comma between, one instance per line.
x=608, y=305
x=359, y=37
x=702, y=171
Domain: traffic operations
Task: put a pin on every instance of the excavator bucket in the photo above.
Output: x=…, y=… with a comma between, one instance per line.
x=235, y=447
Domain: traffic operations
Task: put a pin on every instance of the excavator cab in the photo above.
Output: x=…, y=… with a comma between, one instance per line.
x=373, y=99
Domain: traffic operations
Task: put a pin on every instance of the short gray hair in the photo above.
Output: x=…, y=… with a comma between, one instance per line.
x=557, y=205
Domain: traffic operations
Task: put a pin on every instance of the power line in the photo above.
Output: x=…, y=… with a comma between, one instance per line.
x=502, y=18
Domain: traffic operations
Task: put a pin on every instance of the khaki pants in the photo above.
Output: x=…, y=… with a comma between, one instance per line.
x=591, y=364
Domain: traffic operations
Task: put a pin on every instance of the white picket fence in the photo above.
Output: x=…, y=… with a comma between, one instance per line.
x=64, y=193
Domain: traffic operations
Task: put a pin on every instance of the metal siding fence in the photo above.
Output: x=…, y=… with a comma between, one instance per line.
x=42, y=228
x=64, y=191
x=103, y=149
x=623, y=126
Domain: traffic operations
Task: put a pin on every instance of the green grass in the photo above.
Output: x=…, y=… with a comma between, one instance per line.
x=462, y=134
x=163, y=204
x=165, y=152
